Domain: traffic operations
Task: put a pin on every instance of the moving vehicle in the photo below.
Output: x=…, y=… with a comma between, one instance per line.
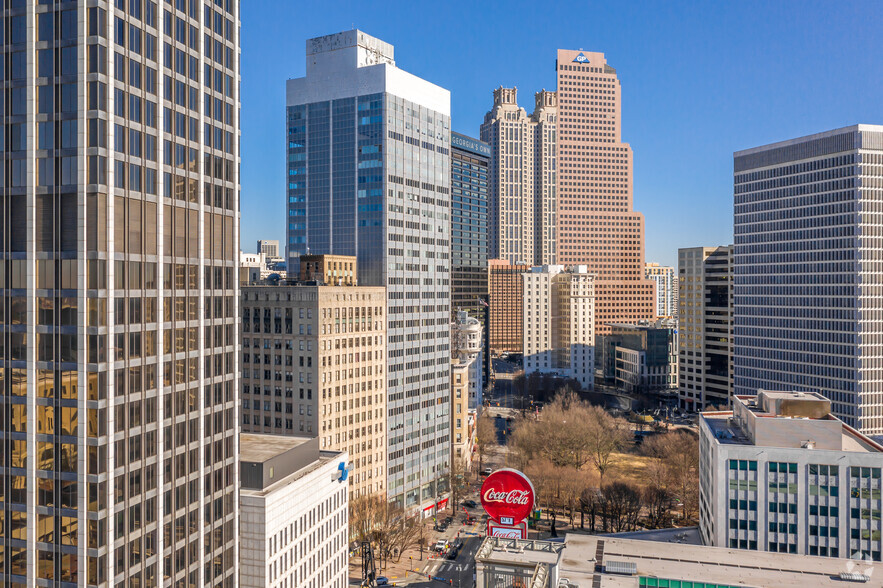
x=470, y=504
x=487, y=471
x=382, y=581
x=455, y=549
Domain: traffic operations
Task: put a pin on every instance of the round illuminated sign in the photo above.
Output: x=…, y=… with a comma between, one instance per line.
x=507, y=496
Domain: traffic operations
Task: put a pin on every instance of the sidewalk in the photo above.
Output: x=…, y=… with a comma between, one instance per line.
x=411, y=568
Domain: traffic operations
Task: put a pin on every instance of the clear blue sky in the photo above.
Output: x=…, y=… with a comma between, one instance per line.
x=700, y=80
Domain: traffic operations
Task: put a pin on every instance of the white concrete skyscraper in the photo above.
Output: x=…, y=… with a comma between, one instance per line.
x=369, y=174
x=808, y=299
x=120, y=246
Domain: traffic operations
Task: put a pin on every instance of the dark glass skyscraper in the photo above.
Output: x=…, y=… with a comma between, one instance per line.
x=119, y=235
x=470, y=159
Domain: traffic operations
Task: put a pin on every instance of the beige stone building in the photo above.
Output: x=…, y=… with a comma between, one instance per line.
x=462, y=419
x=559, y=321
x=313, y=364
x=522, y=216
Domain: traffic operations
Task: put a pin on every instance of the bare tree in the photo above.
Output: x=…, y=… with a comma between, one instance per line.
x=365, y=514
x=589, y=501
x=571, y=433
x=620, y=505
x=676, y=454
x=404, y=532
x=657, y=501
x=607, y=437
x=485, y=437
x=459, y=481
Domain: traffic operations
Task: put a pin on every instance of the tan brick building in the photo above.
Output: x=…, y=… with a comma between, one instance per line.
x=462, y=420
x=506, y=301
x=313, y=363
x=333, y=270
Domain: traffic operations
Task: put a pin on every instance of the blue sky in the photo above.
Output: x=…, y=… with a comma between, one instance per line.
x=700, y=80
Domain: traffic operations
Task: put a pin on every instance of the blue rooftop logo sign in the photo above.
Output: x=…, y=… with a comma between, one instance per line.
x=581, y=58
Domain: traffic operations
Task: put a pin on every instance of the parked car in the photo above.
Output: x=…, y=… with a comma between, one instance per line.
x=440, y=545
x=487, y=471
x=382, y=581
x=470, y=504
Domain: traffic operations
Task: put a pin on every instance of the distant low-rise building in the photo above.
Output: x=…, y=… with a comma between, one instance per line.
x=640, y=357
x=294, y=509
x=559, y=315
x=255, y=268
x=781, y=473
x=666, y=280
x=269, y=247
x=331, y=270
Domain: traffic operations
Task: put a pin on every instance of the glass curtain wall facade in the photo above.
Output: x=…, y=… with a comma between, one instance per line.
x=808, y=271
x=119, y=233
x=469, y=231
x=369, y=175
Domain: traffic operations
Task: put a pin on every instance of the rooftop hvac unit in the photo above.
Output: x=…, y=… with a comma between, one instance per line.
x=626, y=568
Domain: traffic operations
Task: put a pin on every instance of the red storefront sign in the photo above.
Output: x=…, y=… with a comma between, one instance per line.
x=507, y=496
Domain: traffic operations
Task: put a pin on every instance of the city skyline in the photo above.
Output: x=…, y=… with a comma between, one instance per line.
x=686, y=74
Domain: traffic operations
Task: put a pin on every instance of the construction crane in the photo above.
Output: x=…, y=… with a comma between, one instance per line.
x=369, y=573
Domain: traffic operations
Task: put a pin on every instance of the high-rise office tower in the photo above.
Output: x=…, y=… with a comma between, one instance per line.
x=469, y=201
x=666, y=289
x=808, y=277
x=523, y=209
x=369, y=174
x=597, y=225
x=120, y=249
x=705, y=327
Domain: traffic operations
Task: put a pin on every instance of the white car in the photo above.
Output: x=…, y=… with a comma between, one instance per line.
x=440, y=545
x=487, y=471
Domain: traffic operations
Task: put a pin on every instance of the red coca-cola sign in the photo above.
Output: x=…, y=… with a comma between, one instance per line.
x=507, y=496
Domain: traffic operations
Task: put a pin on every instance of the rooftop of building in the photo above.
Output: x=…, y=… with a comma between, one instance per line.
x=786, y=419
x=261, y=448
x=576, y=561
x=384, y=51
x=662, y=323
x=807, y=138
x=269, y=460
